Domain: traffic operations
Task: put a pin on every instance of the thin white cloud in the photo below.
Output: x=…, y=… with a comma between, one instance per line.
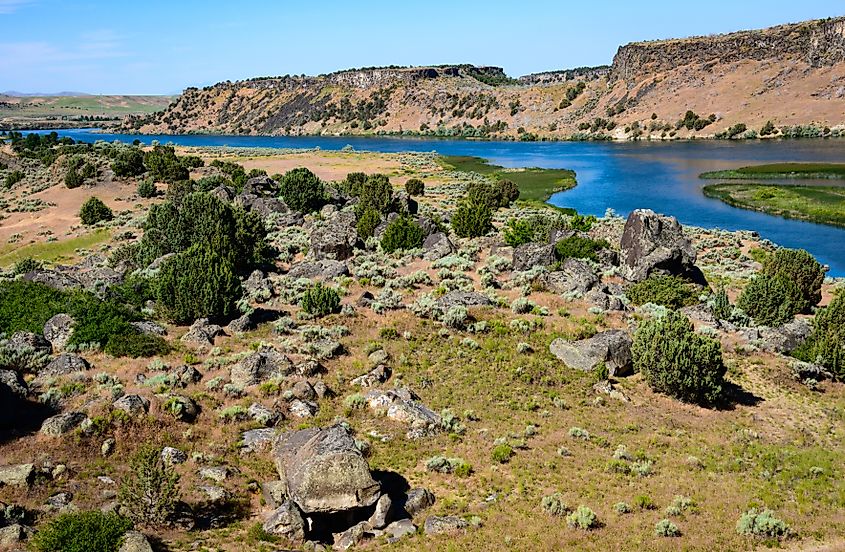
x=11, y=6
x=92, y=46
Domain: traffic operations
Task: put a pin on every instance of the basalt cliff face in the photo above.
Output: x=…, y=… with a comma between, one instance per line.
x=792, y=75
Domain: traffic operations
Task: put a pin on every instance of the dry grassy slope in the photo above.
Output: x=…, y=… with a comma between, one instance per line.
x=791, y=74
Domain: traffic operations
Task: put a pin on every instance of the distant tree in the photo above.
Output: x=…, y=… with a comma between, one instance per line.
x=302, y=190
x=129, y=162
x=94, y=211
x=415, y=187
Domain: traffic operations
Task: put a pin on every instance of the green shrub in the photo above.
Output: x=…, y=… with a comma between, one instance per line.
x=415, y=187
x=302, y=190
x=678, y=362
x=579, y=247
x=150, y=492
x=484, y=193
x=519, y=232
x=164, y=165
x=722, y=308
x=472, y=219
x=508, y=192
x=146, y=189
x=826, y=344
x=25, y=265
x=644, y=502
x=82, y=532
x=201, y=218
x=670, y=291
x=582, y=518
x=129, y=162
x=402, y=233
x=801, y=268
x=367, y=223
x=94, y=211
x=197, y=283
x=137, y=344
x=763, y=523
x=771, y=300
x=73, y=179
x=502, y=453
x=374, y=193
x=26, y=306
x=320, y=300
x=13, y=178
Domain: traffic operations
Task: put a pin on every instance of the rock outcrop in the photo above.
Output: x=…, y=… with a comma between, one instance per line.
x=655, y=244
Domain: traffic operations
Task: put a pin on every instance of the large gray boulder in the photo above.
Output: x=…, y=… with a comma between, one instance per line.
x=61, y=423
x=58, y=330
x=655, y=244
x=16, y=475
x=53, y=279
x=574, y=275
x=402, y=405
x=134, y=405
x=286, y=521
x=336, y=238
x=63, y=364
x=324, y=268
x=28, y=341
x=436, y=246
x=529, y=255
x=14, y=382
x=464, y=299
x=786, y=338
x=134, y=541
x=324, y=471
x=264, y=364
x=612, y=347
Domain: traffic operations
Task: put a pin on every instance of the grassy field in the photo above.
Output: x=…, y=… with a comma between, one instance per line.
x=28, y=112
x=781, y=170
x=821, y=204
x=62, y=250
x=536, y=185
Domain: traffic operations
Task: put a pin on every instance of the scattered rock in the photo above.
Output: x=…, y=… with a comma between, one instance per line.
x=574, y=275
x=273, y=493
x=302, y=409
x=63, y=364
x=262, y=415
x=529, y=255
x=376, y=376
x=264, y=364
x=352, y=536
x=785, y=339
x=147, y=327
x=402, y=406
x=13, y=382
x=62, y=423
x=381, y=515
x=400, y=529
x=436, y=246
x=417, y=500
x=14, y=534
x=107, y=448
x=134, y=405
x=133, y=541
x=323, y=268
x=286, y=521
x=172, y=456
x=17, y=475
x=463, y=298
x=438, y=525
x=53, y=279
x=25, y=341
x=256, y=440
x=304, y=390
x=202, y=332
x=217, y=473
x=185, y=375
x=324, y=470
x=606, y=388
x=655, y=244
x=58, y=330
x=214, y=494
x=613, y=347
x=336, y=238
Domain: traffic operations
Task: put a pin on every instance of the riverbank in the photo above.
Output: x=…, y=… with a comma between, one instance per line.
x=536, y=185
x=819, y=204
x=800, y=171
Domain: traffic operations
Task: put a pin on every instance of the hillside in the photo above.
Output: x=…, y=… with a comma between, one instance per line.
x=69, y=109
x=792, y=75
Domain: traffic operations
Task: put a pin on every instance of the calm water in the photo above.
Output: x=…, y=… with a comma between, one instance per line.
x=623, y=176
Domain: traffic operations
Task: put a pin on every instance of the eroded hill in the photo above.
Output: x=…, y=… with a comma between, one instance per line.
x=790, y=75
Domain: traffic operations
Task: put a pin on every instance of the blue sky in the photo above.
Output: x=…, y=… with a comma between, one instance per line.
x=160, y=47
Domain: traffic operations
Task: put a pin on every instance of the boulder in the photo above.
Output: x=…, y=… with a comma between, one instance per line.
x=223, y=193
x=58, y=330
x=323, y=268
x=147, y=327
x=184, y=375
x=381, y=516
x=335, y=239
x=438, y=525
x=17, y=475
x=12, y=535
x=264, y=206
x=53, y=279
x=217, y=474
x=262, y=415
x=261, y=185
x=417, y=500
x=28, y=341
x=786, y=338
x=464, y=299
x=65, y=363
x=256, y=440
x=400, y=529
x=613, y=347
x=574, y=275
x=14, y=382
x=273, y=493
x=258, y=285
x=403, y=203
x=264, y=364
x=324, y=471
x=61, y=423
x=286, y=521
x=182, y=408
x=299, y=408
x=655, y=244
x=202, y=332
x=436, y=246
x=134, y=405
x=377, y=375
x=171, y=456
x=352, y=536
x=529, y=255
x=403, y=406
x=134, y=541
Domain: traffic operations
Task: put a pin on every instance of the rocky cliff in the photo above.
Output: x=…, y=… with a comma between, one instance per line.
x=792, y=75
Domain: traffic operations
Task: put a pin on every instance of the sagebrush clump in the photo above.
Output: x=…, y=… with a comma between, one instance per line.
x=761, y=523
x=320, y=300
x=82, y=532
x=150, y=493
x=402, y=233
x=94, y=211
x=670, y=291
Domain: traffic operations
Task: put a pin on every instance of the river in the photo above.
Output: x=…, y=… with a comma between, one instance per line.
x=623, y=176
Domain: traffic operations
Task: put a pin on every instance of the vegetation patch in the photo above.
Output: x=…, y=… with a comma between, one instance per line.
x=780, y=170
x=820, y=204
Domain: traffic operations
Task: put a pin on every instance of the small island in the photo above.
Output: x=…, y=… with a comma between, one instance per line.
x=800, y=171
x=819, y=204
